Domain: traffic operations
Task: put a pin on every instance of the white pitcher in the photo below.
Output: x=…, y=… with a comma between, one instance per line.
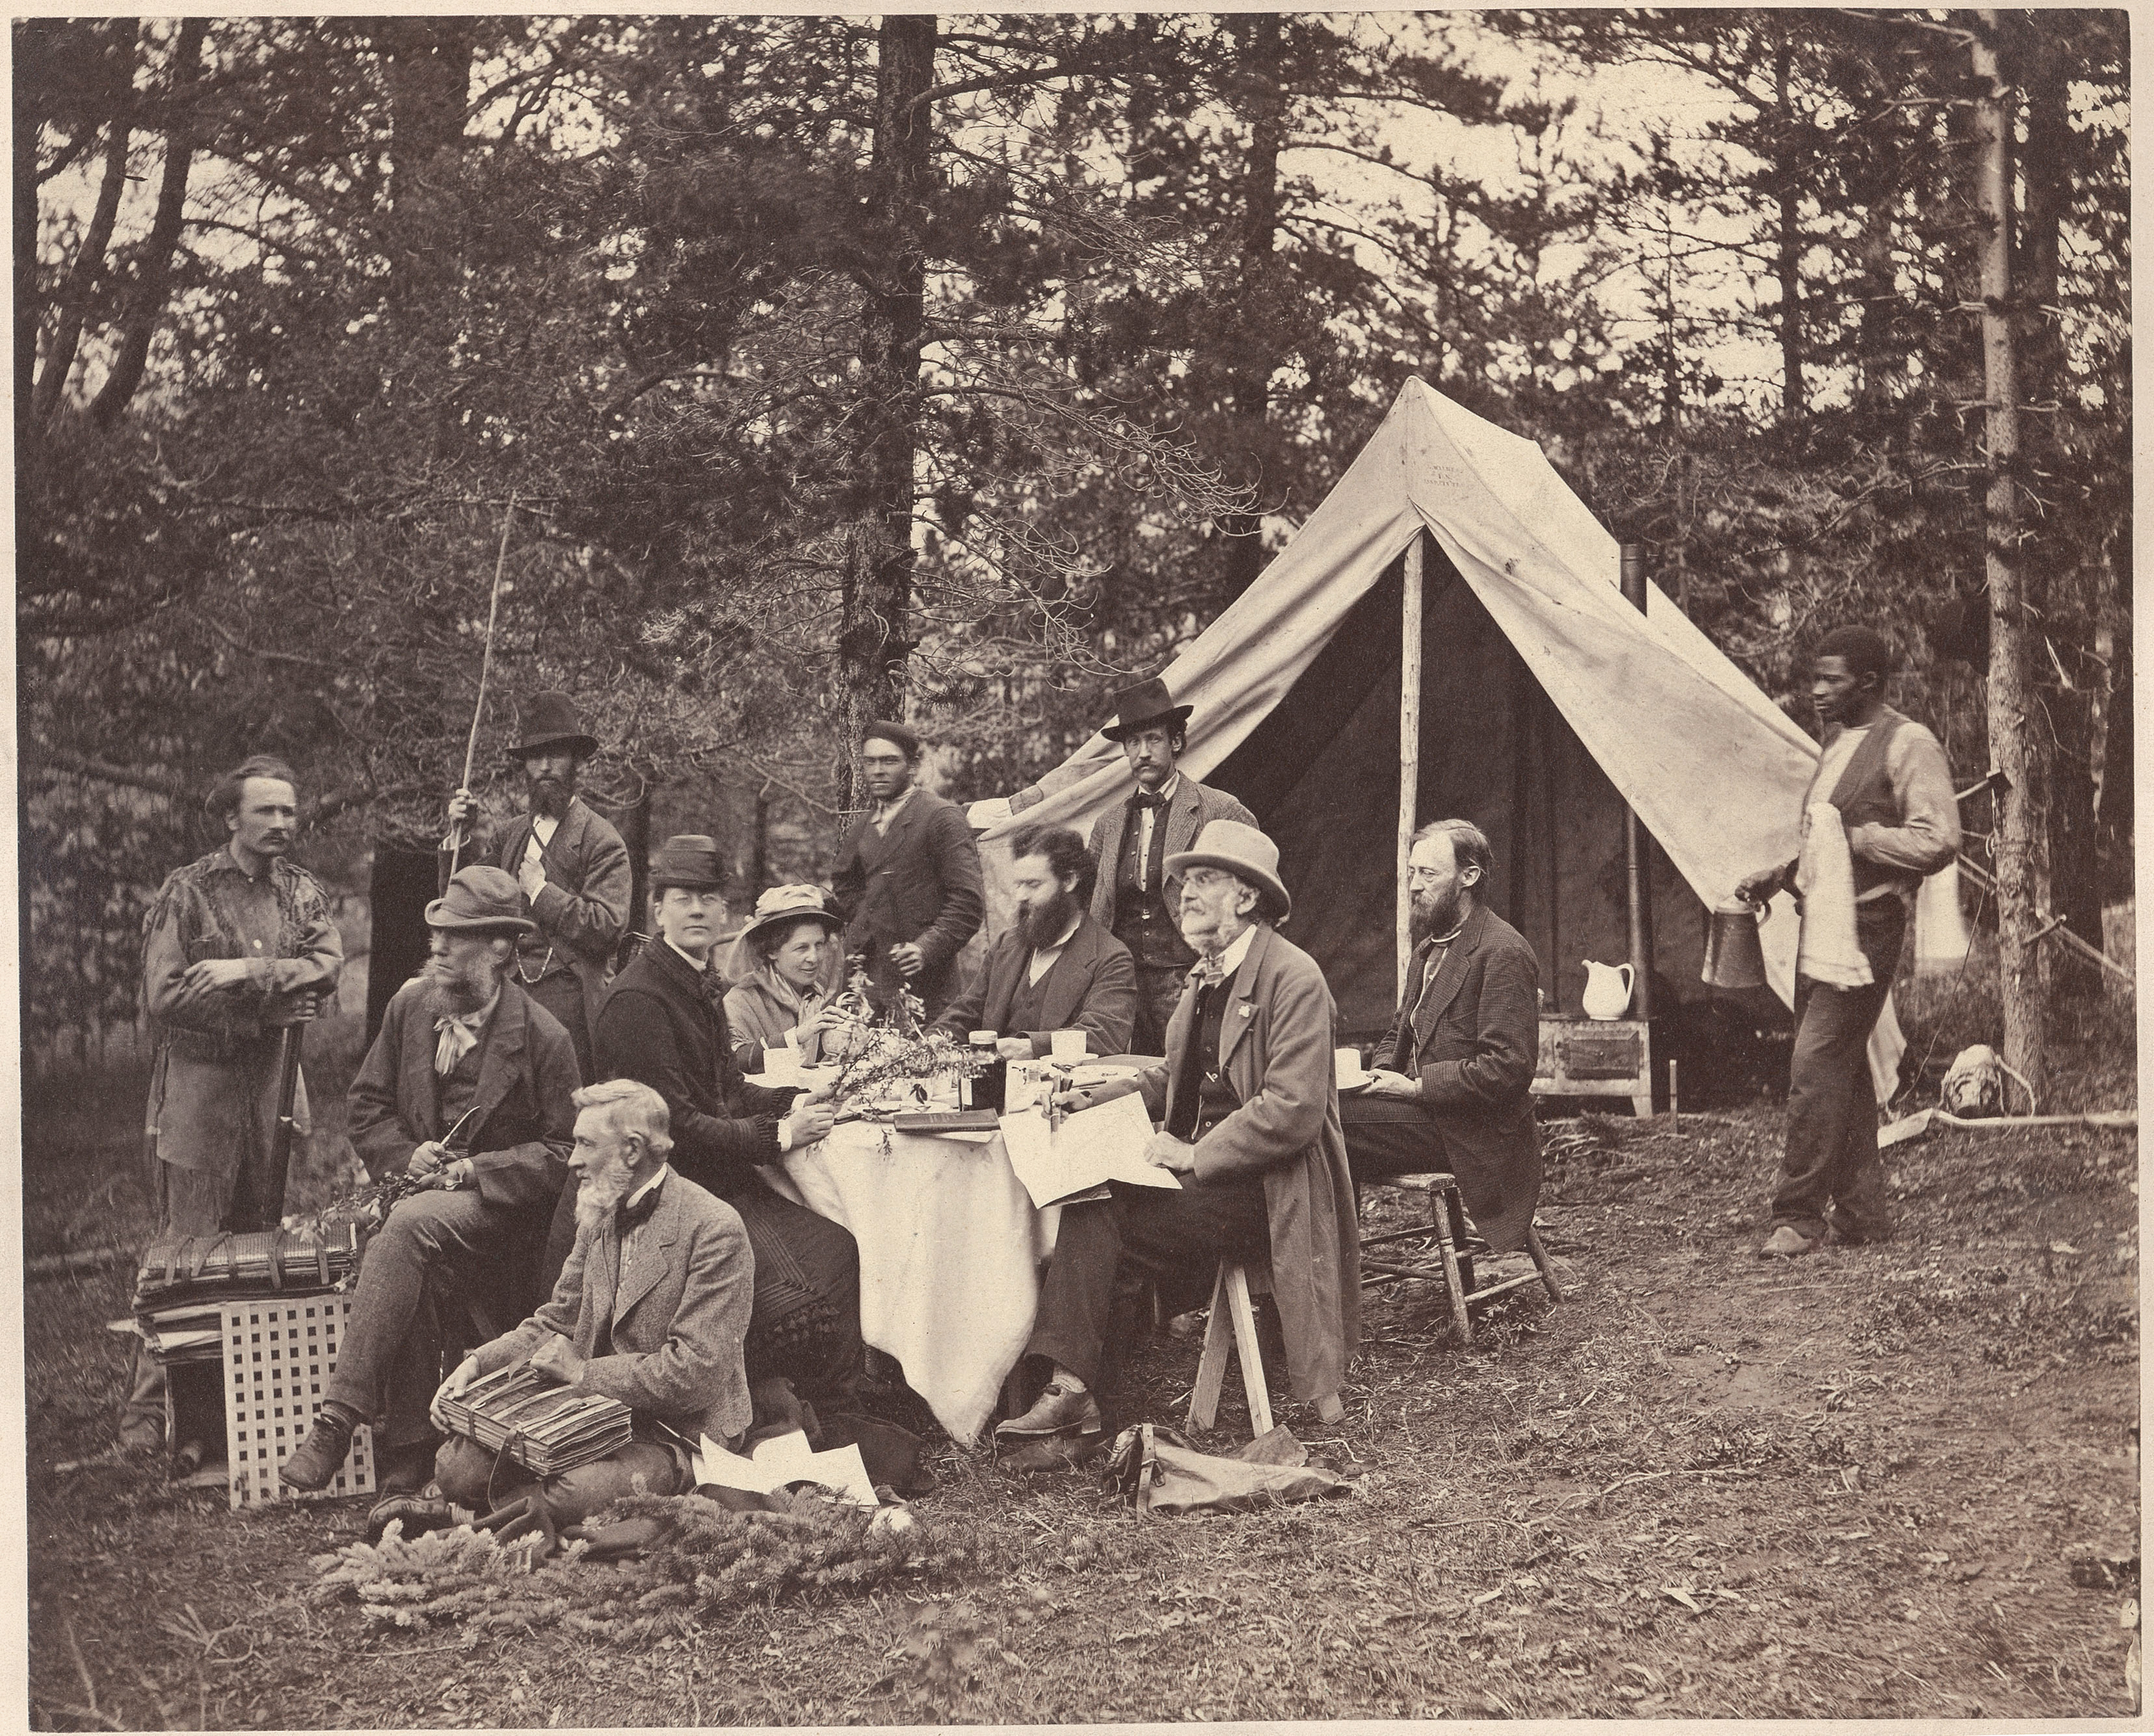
x=1607, y=990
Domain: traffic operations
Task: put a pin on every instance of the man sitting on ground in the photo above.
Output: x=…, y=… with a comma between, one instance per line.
x=1251, y=1129
x=651, y=1310
x=469, y=1085
x=1454, y=1075
x=1054, y=968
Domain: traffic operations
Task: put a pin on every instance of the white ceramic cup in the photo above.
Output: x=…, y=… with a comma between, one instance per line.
x=1067, y=1046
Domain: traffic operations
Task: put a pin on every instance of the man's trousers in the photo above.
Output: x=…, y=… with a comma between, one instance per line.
x=1092, y=1307
x=1830, y=1166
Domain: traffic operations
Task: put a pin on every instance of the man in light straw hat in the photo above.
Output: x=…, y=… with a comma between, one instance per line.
x=468, y=1085
x=570, y=864
x=1247, y=1104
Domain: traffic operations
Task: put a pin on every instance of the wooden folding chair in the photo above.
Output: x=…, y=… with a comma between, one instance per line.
x=1231, y=1330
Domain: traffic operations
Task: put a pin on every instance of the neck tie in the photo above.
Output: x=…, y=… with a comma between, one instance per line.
x=627, y=1217
x=455, y=1038
x=1149, y=798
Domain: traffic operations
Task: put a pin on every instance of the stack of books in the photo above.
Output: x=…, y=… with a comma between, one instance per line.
x=542, y=1425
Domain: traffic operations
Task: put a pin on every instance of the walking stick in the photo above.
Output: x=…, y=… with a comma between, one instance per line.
x=459, y=834
x=287, y=1097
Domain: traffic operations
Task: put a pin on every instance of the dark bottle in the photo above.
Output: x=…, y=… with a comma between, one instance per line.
x=989, y=1084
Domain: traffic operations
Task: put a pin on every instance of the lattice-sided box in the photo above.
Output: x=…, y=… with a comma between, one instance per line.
x=280, y=1352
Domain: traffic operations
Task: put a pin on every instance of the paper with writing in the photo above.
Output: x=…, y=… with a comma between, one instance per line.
x=1094, y=1146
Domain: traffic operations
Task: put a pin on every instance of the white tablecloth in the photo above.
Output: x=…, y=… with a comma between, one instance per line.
x=950, y=1250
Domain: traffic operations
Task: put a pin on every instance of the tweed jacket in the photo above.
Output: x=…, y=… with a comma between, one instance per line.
x=672, y=1321
x=1275, y=1047
x=1475, y=1043
x=918, y=882
x=519, y=1139
x=582, y=910
x=1092, y=987
x=1195, y=806
x=663, y=1023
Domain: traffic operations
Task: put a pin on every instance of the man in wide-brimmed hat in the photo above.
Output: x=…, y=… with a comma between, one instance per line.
x=907, y=880
x=665, y=1023
x=569, y=863
x=468, y=1086
x=1248, y=1111
x=1138, y=896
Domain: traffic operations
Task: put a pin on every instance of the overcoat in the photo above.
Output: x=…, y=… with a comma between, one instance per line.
x=1092, y=987
x=1476, y=1033
x=1275, y=1048
x=919, y=881
x=671, y=1324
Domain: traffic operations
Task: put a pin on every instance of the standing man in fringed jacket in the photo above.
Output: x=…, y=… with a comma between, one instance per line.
x=908, y=880
x=1138, y=898
x=572, y=866
x=237, y=945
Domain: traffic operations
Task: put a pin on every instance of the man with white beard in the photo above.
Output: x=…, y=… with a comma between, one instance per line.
x=469, y=1087
x=652, y=1309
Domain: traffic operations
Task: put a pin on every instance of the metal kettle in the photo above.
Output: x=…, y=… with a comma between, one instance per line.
x=1734, y=957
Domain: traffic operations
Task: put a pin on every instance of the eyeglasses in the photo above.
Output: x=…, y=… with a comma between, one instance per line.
x=1208, y=877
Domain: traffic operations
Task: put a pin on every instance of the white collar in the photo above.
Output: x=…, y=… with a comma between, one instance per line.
x=686, y=960
x=897, y=801
x=1069, y=934
x=663, y=1170
x=1230, y=960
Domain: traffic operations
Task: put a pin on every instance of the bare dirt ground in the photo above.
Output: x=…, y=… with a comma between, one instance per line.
x=1898, y=1481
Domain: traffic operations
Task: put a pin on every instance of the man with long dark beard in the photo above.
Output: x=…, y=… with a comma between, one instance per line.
x=651, y=1310
x=1054, y=968
x=469, y=1088
x=570, y=865
x=1454, y=1076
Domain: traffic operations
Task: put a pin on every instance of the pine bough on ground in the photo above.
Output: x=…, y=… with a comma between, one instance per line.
x=702, y=1559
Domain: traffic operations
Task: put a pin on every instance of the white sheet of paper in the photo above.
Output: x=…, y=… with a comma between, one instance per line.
x=784, y=1459
x=1094, y=1146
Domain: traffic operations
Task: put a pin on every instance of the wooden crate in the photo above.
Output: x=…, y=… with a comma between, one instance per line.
x=280, y=1352
x=1596, y=1058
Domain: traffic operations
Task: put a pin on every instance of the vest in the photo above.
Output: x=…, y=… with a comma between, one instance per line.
x=1864, y=797
x=1203, y=1098
x=1027, y=1006
x=454, y=1090
x=1143, y=922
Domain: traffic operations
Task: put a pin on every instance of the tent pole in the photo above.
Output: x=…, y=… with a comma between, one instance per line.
x=1409, y=738
x=1635, y=843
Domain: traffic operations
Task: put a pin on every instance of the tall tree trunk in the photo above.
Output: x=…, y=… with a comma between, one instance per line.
x=428, y=67
x=877, y=598
x=25, y=145
x=89, y=258
x=2015, y=745
x=1787, y=194
x=153, y=281
x=1262, y=102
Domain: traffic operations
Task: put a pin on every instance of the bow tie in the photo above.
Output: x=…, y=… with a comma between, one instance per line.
x=627, y=1217
x=1155, y=801
x=456, y=1037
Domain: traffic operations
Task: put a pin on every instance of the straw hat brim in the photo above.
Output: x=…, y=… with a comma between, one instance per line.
x=828, y=918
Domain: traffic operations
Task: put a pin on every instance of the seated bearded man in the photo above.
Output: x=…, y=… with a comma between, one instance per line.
x=652, y=1309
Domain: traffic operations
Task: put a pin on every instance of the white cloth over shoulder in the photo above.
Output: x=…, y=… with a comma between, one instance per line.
x=1829, y=952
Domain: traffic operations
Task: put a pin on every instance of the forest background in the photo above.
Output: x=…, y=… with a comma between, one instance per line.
x=961, y=367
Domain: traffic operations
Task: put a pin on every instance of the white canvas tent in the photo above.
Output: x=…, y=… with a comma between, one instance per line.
x=1546, y=700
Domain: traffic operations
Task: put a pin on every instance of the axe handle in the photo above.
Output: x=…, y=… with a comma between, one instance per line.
x=287, y=1097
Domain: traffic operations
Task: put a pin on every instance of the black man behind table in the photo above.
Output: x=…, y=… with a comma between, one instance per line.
x=464, y=1051
x=570, y=863
x=1878, y=814
x=237, y=945
x=907, y=881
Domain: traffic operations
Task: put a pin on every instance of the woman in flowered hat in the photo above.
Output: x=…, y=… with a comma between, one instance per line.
x=785, y=971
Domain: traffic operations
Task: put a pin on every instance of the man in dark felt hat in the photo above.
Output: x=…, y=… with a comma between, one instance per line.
x=1887, y=787
x=907, y=881
x=570, y=863
x=664, y=1023
x=1137, y=897
x=469, y=1086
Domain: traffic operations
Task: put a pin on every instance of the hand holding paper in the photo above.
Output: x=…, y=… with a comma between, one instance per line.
x=1106, y=1143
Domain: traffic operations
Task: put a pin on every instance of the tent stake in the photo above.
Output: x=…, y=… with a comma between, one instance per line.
x=1409, y=740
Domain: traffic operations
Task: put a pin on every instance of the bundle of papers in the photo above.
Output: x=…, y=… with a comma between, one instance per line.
x=1085, y=1152
x=178, y=1268
x=189, y=1333
x=545, y=1426
x=783, y=1460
